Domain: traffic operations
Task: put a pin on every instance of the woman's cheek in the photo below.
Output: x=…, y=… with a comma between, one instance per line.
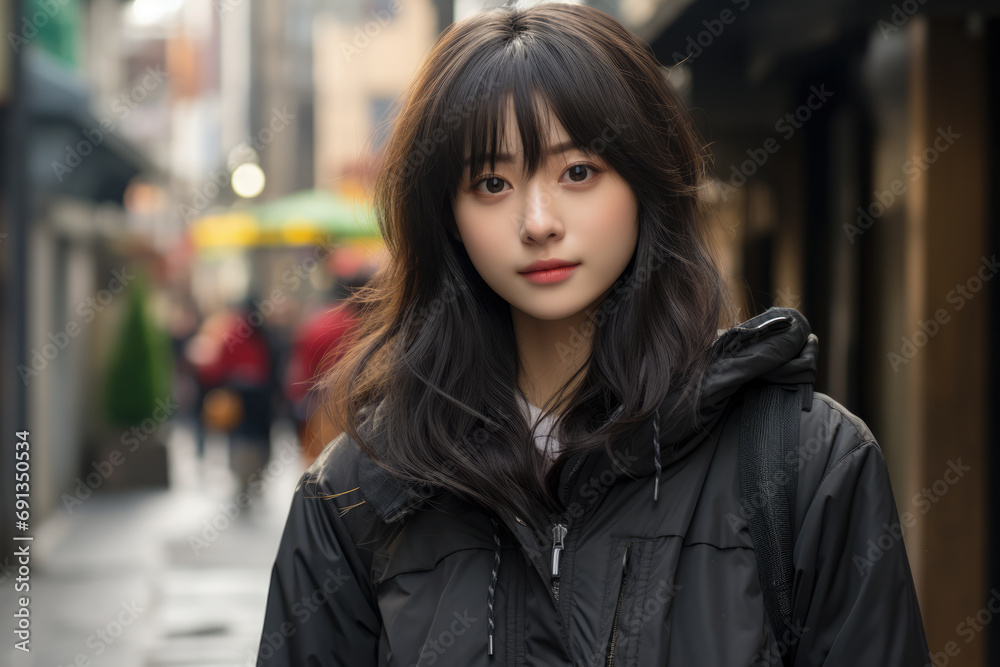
x=483, y=241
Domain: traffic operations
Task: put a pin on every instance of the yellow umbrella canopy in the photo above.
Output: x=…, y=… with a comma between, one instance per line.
x=312, y=212
x=304, y=217
x=224, y=230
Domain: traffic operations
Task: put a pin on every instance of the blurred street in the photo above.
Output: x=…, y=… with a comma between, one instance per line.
x=191, y=224
x=158, y=578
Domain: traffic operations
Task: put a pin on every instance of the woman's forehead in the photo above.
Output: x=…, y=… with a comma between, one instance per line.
x=552, y=137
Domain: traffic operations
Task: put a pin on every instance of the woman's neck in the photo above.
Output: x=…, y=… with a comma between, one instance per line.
x=549, y=352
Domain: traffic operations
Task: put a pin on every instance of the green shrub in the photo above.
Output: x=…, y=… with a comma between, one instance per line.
x=138, y=378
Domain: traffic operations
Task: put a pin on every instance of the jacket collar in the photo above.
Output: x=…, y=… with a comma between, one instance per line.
x=776, y=346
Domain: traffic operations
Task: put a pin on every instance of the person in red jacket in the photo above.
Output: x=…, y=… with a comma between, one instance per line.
x=319, y=343
x=233, y=361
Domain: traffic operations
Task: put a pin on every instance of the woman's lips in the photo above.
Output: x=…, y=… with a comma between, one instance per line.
x=546, y=276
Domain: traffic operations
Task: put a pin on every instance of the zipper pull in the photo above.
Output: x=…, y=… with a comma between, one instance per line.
x=558, y=537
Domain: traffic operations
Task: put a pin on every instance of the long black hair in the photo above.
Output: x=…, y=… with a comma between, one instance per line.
x=435, y=345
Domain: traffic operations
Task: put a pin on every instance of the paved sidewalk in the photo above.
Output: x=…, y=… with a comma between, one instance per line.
x=159, y=578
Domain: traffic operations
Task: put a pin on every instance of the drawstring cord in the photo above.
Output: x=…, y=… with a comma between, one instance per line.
x=492, y=587
x=656, y=454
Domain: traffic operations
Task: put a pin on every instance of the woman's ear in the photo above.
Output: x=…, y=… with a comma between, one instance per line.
x=457, y=236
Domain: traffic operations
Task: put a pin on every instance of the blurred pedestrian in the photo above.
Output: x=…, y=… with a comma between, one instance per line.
x=184, y=322
x=233, y=361
x=319, y=343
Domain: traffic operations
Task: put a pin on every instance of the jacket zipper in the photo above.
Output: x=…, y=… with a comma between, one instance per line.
x=610, y=658
x=559, y=531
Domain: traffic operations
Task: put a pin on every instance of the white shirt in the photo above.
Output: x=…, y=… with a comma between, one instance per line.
x=545, y=440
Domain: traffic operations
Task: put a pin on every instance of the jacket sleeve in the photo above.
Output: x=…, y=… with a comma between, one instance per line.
x=854, y=592
x=320, y=610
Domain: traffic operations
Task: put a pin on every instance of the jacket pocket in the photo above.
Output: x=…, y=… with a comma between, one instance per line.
x=609, y=658
x=431, y=585
x=623, y=621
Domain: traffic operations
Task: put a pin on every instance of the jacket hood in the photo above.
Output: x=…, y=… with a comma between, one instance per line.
x=776, y=346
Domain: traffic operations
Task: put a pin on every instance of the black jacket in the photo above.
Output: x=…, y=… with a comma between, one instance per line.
x=370, y=572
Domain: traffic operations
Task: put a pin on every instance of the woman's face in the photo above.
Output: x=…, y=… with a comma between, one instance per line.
x=573, y=209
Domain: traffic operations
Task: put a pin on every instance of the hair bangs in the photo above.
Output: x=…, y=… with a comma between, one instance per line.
x=526, y=81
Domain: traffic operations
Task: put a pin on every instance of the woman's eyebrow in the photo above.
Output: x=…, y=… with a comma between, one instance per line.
x=549, y=150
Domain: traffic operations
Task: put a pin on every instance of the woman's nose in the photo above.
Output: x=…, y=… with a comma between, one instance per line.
x=540, y=218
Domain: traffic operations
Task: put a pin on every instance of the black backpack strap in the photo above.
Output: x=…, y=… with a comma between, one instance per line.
x=769, y=431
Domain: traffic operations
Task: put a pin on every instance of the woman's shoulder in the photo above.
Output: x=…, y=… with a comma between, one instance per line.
x=834, y=443
x=829, y=432
x=336, y=463
x=338, y=466
x=334, y=479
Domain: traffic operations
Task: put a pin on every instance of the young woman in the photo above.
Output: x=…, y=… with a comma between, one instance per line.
x=540, y=460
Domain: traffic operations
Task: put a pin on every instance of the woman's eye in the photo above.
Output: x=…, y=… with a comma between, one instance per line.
x=494, y=184
x=578, y=172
